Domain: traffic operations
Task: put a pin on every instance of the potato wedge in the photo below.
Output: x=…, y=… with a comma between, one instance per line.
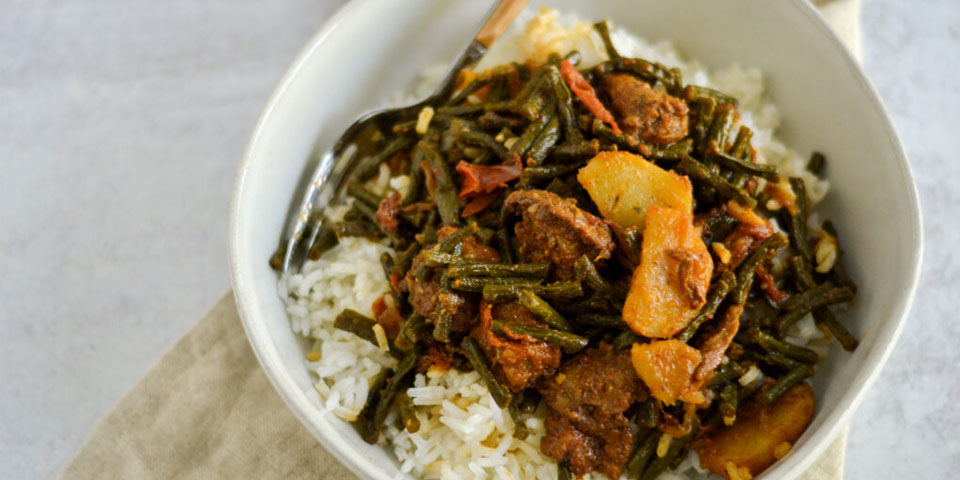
x=759, y=430
x=624, y=186
x=670, y=285
x=666, y=367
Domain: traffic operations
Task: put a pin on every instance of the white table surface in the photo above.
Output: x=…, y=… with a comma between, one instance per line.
x=121, y=124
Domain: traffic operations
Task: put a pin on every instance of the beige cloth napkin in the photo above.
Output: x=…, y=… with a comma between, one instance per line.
x=207, y=410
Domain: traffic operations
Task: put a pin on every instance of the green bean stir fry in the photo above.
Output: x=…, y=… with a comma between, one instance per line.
x=528, y=241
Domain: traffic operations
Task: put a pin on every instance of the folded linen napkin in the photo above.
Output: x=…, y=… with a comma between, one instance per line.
x=206, y=409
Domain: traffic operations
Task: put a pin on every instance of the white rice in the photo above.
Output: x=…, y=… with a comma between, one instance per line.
x=463, y=433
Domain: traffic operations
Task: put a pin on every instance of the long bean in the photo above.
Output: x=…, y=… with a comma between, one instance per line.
x=530, y=134
x=816, y=162
x=772, y=344
x=702, y=174
x=502, y=239
x=445, y=195
x=433, y=258
x=533, y=175
x=777, y=359
x=548, y=137
x=356, y=323
x=486, y=141
x=694, y=92
x=370, y=165
x=533, y=98
x=482, y=269
x=646, y=451
x=363, y=194
x=741, y=146
x=556, y=290
x=625, y=339
x=587, y=272
x=798, y=223
x=408, y=414
x=728, y=400
x=603, y=28
x=571, y=343
x=520, y=430
x=477, y=284
x=370, y=431
x=768, y=172
x=575, y=152
x=718, y=292
x=393, y=386
x=599, y=320
x=700, y=129
x=720, y=127
x=561, y=95
x=673, y=151
x=800, y=305
x=748, y=269
x=474, y=355
x=823, y=316
x=660, y=464
x=838, y=273
x=542, y=310
x=408, y=334
x=443, y=326
x=451, y=243
x=326, y=239
x=725, y=373
x=770, y=394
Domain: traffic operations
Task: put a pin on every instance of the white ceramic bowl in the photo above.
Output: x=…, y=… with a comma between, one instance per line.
x=369, y=51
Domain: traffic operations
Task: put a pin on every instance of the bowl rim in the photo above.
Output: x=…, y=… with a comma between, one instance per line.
x=269, y=358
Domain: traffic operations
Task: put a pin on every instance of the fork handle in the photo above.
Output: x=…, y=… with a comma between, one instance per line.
x=498, y=20
x=493, y=26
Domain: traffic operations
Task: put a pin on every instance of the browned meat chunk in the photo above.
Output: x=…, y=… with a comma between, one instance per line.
x=517, y=362
x=554, y=229
x=644, y=113
x=589, y=395
x=595, y=384
x=565, y=443
x=585, y=453
x=387, y=213
x=436, y=357
x=425, y=294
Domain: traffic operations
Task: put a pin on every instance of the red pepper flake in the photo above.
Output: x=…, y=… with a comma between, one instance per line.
x=479, y=203
x=584, y=91
x=480, y=179
x=769, y=285
x=395, y=279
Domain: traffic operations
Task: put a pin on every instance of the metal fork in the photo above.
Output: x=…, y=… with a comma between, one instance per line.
x=318, y=187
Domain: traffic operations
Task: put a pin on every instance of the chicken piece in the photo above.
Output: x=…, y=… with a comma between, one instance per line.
x=670, y=285
x=759, y=430
x=554, y=229
x=667, y=368
x=647, y=114
x=516, y=362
